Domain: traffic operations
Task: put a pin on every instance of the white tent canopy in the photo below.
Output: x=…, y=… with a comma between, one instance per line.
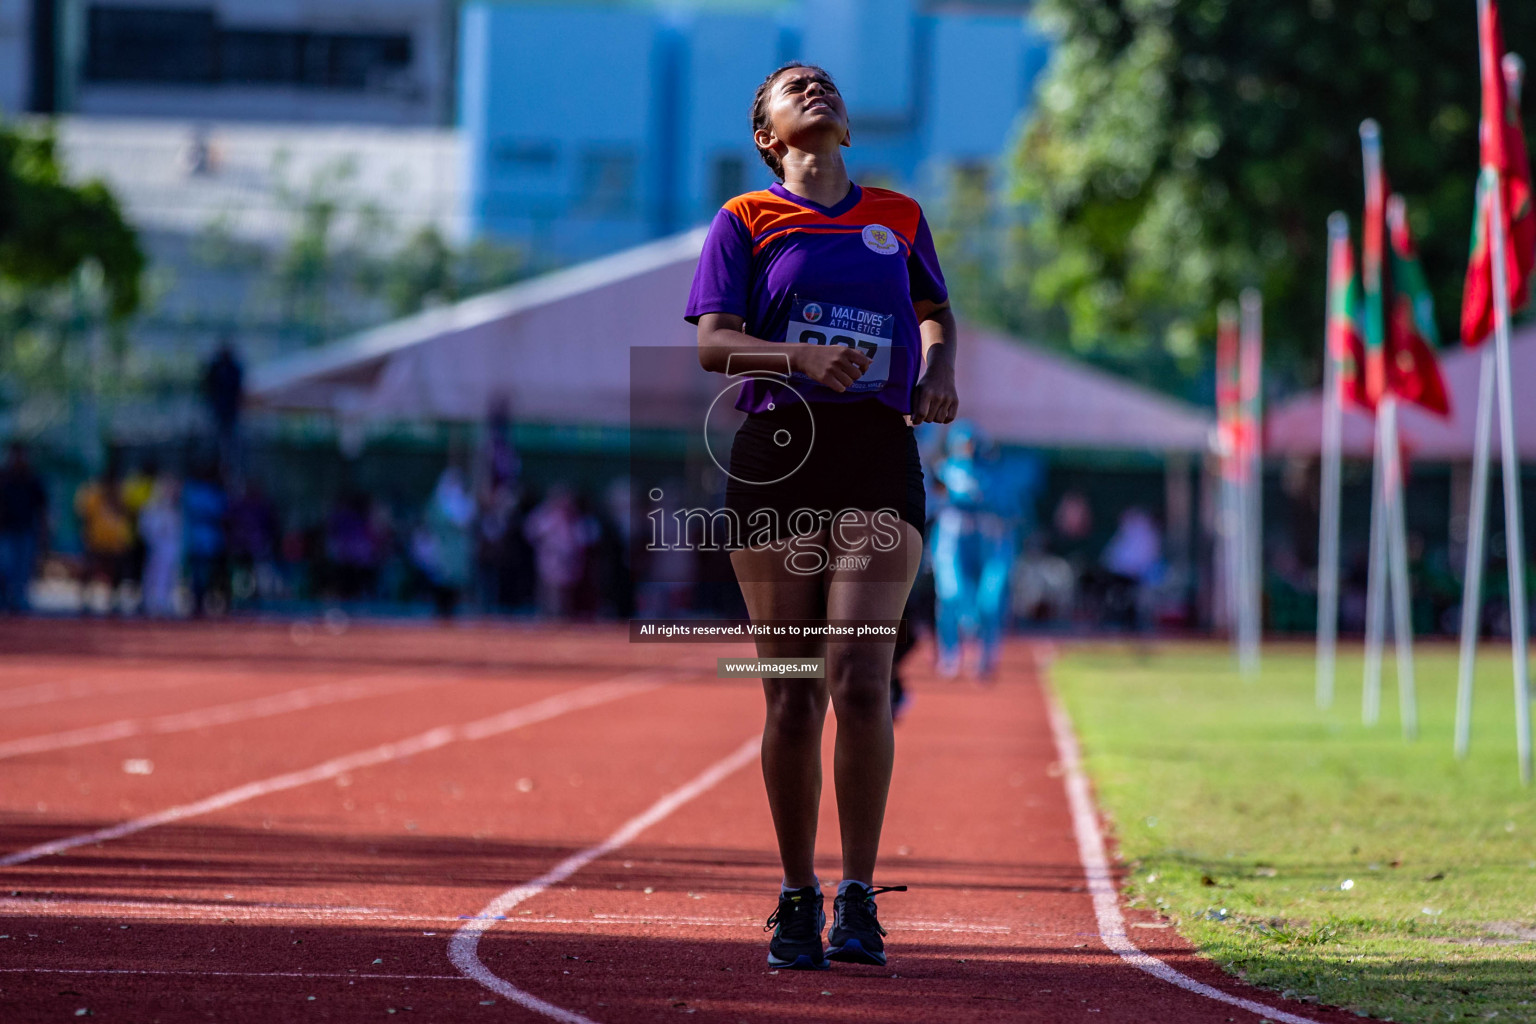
x=1296, y=425
x=557, y=349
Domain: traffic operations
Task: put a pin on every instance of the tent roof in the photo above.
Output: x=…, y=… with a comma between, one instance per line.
x=1296, y=425
x=559, y=349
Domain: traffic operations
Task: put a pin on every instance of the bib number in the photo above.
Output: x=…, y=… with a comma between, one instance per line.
x=826, y=323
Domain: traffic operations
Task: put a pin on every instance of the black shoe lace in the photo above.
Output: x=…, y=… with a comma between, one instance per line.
x=859, y=914
x=796, y=914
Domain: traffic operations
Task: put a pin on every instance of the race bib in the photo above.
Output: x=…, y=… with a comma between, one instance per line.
x=827, y=323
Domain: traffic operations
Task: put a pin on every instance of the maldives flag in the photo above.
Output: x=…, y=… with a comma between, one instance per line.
x=1506, y=165
x=1413, y=372
x=1373, y=229
x=1346, y=345
x=1229, y=395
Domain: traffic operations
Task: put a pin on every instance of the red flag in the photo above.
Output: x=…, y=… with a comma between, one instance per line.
x=1373, y=229
x=1503, y=159
x=1346, y=346
x=1413, y=371
x=1229, y=414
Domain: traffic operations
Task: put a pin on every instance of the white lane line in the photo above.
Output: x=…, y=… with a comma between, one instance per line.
x=220, y=714
x=47, y=693
x=463, y=948
x=233, y=974
x=432, y=739
x=1101, y=882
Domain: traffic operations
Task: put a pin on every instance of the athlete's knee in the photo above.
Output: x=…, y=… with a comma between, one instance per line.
x=795, y=706
x=859, y=678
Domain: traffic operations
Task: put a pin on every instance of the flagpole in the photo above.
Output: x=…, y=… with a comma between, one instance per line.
x=1513, y=69
x=1477, y=526
x=1229, y=396
x=1397, y=570
x=1397, y=535
x=1381, y=504
x=1514, y=524
x=1252, y=367
x=1329, y=498
x=1375, y=589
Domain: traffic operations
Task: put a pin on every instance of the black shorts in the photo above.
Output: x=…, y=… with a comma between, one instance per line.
x=854, y=456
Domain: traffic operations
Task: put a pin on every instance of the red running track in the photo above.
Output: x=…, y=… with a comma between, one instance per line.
x=314, y=862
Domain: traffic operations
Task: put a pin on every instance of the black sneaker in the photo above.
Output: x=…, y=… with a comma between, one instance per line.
x=797, y=925
x=856, y=936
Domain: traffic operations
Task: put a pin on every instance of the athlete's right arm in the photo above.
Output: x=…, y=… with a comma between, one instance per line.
x=725, y=347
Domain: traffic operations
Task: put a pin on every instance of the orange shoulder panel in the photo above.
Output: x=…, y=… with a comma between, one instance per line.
x=761, y=211
x=883, y=206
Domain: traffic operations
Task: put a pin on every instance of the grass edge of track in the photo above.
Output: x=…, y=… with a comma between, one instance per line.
x=1299, y=850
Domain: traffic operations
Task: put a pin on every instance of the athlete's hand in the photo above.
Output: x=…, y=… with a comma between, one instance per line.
x=835, y=366
x=934, y=399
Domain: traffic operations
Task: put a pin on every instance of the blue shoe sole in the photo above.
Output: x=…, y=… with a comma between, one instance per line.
x=853, y=952
x=803, y=962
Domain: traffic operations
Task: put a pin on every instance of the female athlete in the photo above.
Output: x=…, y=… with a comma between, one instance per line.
x=828, y=300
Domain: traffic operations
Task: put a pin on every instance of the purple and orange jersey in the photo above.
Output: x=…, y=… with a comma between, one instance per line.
x=847, y=274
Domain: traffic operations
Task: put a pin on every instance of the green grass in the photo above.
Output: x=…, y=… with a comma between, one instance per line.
x=1307, y=853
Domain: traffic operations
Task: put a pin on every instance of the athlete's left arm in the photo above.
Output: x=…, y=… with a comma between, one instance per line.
x=934, y=400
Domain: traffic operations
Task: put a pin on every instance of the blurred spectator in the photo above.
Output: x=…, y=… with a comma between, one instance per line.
x=667, y=573
x=498, y=516
x=253, y=539
x=224, y=391
x=443, y=545
x=560, y=536
x=497, y=463
x=137, y=489
x=617, y=576
x=200, y=157
x=1072, y=523
x=106, y=529
x=986, y=501
x=351, y=548
x=1136, y=549
x=23, y=527
x=160, y=527
x=1132, y=563
x=205, y=512
x=498, y=485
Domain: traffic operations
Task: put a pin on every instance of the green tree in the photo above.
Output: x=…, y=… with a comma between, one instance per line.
x=1182, y=149
x=426, y=270
x=50, y=229
x=71, y=274
x=345, y=263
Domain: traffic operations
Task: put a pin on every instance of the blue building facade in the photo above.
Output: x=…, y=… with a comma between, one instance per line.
x=592, y=127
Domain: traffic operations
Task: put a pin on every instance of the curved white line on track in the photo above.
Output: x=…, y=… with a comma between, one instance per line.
x=463, y=948
x=432, y=739
x=220, y=714
x=1101, y=882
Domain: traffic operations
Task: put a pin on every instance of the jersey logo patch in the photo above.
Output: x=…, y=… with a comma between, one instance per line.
x=881, y=239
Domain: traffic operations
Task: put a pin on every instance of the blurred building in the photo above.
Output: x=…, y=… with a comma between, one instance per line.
x=15, y=55
x=591, y=127
x=356, y=61
x=279, y=157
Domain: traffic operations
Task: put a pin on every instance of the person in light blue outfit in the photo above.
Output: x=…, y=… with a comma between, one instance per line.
x=985, y=504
